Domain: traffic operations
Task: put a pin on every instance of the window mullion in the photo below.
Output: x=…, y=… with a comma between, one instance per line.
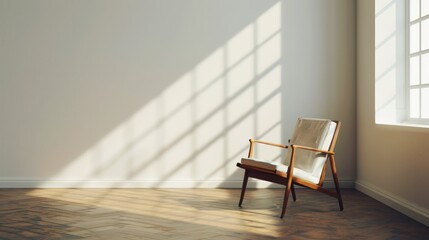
x=418, y=53
x=407, y=63
x=419, y=86
x=420, y=59
x=418, y=20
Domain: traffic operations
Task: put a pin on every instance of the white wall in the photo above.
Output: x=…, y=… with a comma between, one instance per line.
x=166, y=93
x=392, y=163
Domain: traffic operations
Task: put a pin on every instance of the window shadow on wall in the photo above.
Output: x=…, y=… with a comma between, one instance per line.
x=193, y=131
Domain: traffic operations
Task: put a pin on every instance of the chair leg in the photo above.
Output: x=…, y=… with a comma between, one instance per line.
x=286, y=197
x=289, y=185
x=293, y=193
x=337, y=188
x=337, y=184
x=243, y=188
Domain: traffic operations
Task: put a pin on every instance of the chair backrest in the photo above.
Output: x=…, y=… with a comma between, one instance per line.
x=316, y=133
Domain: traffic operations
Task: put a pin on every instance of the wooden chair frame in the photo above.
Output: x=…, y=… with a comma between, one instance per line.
x=287, y=179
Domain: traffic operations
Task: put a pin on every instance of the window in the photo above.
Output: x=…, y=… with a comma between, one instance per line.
x=418, y=60
x=402, y=63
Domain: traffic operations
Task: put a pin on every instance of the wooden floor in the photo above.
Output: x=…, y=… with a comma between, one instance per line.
x=196, y=214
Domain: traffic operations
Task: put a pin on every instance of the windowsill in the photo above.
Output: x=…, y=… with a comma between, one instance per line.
x=406, y=126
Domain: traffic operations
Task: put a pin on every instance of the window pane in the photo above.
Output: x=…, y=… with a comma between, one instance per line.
x=425, y=34
x=425, y=7
x=425, y=68
x=414, y=9
x=415, y=70
x=415, y=103
x=425, y=102
x=414, y=38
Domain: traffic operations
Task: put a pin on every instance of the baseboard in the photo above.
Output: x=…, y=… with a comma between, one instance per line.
x=33, y=183
x=395, y=202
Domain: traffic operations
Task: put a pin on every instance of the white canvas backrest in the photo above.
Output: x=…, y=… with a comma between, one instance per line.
x=315, y=133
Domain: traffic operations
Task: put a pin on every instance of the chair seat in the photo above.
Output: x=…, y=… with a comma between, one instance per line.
x=278, y=167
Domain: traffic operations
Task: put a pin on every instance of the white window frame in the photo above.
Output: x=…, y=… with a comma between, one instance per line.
x=409, y=55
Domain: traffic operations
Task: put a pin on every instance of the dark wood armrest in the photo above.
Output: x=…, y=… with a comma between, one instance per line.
x=262, y=142
x=268, y=143
x=311, y=149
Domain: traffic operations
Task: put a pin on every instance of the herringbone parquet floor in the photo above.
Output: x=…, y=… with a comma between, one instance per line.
x=196, y=214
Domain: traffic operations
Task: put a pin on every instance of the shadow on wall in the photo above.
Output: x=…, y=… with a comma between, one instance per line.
x=197, y=128
x=193, y=131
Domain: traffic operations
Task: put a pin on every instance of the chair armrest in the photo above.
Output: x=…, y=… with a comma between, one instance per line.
x=311, y=149
x=268, y=143
x=262, y=142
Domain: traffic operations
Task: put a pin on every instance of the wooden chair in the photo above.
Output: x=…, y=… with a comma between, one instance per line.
x=312, y=143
